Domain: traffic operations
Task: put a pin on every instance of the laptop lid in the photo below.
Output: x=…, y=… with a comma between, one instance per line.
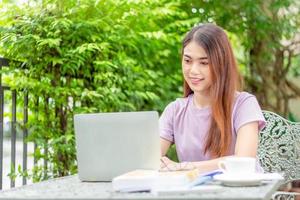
x=110, y=144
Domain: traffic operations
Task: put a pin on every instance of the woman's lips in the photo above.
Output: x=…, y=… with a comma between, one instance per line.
x=196, y=80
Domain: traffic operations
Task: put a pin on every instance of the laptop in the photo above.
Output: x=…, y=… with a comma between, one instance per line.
x=111, y=144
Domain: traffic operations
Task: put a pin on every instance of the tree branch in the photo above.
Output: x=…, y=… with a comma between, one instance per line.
x=286, y=68
x=293, y=87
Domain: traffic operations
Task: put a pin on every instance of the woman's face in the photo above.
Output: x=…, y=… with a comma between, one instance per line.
x=196, y=70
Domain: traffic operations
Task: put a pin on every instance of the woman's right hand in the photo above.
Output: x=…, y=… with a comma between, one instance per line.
x=168, y=165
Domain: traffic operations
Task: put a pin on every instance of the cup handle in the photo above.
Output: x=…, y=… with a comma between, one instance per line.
x=222, y=166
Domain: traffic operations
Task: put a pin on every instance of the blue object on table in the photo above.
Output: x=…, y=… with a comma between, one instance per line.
x=204, y=178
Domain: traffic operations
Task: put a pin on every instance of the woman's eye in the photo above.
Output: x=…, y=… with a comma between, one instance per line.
x=204, y=63
x=187, y=61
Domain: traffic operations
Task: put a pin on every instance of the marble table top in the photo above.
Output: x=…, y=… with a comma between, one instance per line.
x=70, y=187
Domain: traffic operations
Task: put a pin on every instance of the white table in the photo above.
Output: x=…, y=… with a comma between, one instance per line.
x=71, y=187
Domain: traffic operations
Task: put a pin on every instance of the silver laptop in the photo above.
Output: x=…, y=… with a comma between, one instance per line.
x=110, y=144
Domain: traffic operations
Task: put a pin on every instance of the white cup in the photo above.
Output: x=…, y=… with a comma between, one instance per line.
x=238, y=165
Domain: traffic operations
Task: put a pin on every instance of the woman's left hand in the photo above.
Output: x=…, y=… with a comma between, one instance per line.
x=168, y=165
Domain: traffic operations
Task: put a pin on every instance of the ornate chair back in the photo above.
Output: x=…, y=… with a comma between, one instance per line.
x=279, y=146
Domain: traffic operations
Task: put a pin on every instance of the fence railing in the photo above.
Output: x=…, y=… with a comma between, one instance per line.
x=3, y=90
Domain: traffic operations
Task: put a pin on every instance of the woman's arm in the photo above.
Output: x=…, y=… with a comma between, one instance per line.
x=164, y=146
x=246, y=145
x=247, y=140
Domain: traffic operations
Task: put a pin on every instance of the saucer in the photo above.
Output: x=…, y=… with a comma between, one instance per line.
x=240, y=180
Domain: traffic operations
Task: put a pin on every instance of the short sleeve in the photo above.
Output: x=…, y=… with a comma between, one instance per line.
x=248, y=110
x=166, y=120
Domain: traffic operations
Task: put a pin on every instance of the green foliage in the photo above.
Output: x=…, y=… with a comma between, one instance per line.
x=172, y=154
x=12, y=175
x=268, y=32
x=89, y=56
x=292, y=117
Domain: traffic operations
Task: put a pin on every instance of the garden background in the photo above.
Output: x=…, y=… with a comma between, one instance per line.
x=83, y=56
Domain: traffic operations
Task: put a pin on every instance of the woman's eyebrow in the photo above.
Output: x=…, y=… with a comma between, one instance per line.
x=200, y=58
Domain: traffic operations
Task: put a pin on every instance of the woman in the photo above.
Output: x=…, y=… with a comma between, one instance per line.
x=213, y=120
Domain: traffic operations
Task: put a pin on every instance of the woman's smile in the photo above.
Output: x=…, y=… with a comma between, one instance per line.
x=196, y=81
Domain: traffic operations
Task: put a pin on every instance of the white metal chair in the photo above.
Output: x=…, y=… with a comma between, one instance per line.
x=279, y=149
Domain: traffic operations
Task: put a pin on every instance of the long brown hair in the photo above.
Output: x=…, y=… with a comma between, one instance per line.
x=226, y=81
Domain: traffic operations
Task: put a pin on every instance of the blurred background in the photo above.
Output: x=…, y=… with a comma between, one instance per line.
x=73, y=56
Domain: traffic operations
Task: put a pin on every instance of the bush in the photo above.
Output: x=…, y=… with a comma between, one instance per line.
x=90, y=56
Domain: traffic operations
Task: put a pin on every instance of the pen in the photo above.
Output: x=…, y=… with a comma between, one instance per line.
x=204, y=178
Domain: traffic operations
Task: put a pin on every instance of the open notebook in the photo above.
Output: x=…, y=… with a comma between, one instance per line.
x=151, y=180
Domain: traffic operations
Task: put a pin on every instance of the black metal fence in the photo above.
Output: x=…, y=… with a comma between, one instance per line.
x=3, y=91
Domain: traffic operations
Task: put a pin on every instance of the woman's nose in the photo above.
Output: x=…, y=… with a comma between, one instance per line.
x=195, y=69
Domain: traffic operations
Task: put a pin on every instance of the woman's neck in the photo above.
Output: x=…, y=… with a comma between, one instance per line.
x=201, y=100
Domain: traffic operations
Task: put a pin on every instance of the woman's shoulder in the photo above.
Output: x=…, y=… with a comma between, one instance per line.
x=242, y=96
x=247, y=109
x=245, y=101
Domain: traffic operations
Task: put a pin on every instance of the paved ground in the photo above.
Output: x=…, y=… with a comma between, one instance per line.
x=19, y=157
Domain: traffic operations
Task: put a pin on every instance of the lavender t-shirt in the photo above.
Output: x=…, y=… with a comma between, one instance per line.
x=186, y=125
